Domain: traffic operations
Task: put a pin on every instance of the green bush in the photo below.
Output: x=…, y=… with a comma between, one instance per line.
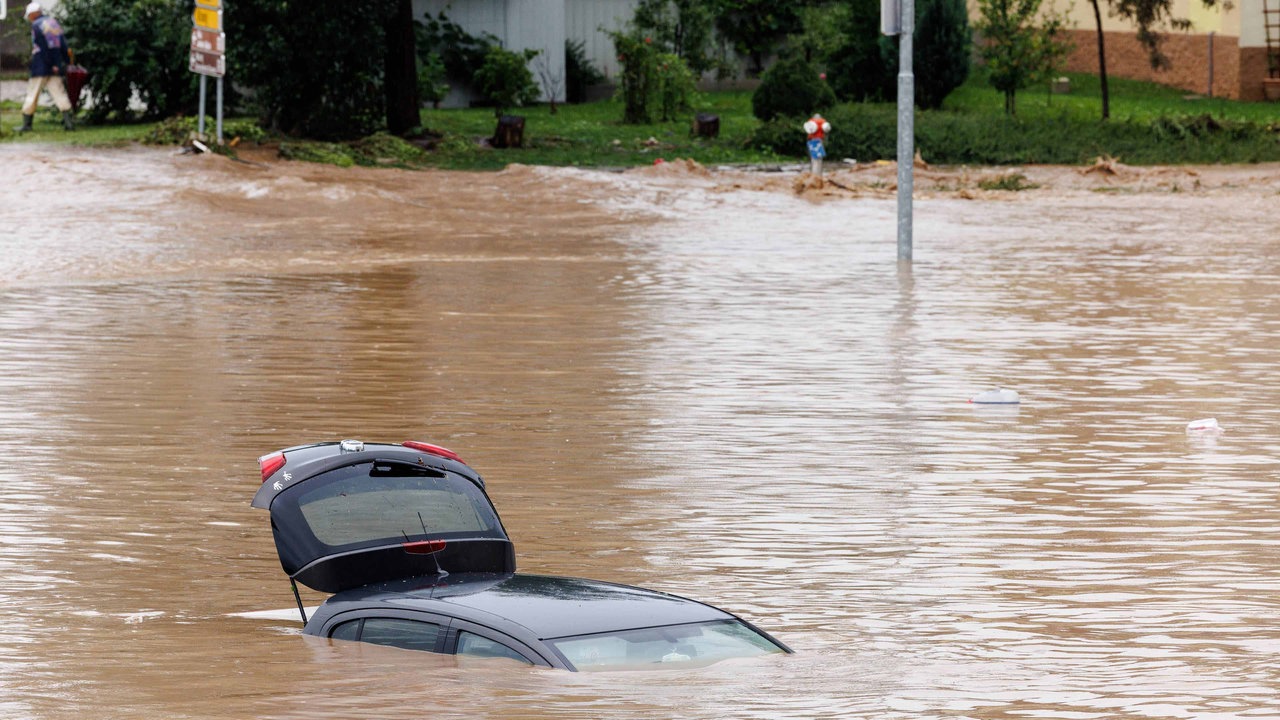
x=432, y=79
x=864, y=66
x=640, y=85
x=178, y=130
x=867, y=132
x=942, y=46
x=755, y=28
x=654, y=85
x=791, y=88
x=377, y=150
x=460, y=51
x=677, y=86
x=505, y=79
x=684, y=28
x=135, y=47
x=317, y=69
x=579, y=72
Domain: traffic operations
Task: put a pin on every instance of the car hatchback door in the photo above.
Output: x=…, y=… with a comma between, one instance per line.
x=382, y=517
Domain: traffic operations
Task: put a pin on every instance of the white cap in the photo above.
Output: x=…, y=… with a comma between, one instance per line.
x=32, y=8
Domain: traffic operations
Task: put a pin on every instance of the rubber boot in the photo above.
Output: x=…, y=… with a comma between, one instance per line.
x=66, y=121
x=26, y=123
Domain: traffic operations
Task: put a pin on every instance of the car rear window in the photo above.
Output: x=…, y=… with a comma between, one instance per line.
x=657, y=648
x=366, y=502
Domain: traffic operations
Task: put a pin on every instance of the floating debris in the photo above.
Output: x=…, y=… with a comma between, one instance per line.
x=997, y=396
x=1207, y=425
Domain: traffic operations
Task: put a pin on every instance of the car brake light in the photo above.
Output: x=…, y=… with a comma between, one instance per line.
x=423, y=547
x=270, y=464
x=432, y=450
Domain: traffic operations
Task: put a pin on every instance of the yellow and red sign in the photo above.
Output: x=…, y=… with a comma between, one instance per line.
x=208, y=42
x=208, y=19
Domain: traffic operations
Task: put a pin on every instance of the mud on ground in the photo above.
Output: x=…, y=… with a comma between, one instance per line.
x=1028, y=182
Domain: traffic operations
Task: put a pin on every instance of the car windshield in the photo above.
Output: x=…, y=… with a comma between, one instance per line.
x=660, y=647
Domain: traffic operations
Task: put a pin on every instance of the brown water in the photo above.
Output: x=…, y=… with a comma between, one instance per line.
x=733, y=395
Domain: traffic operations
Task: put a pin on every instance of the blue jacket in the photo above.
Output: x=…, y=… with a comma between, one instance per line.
x=48, y=48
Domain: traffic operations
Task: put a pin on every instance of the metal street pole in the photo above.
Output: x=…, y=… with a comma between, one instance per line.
x=906, y=128
x=200, y=122
x=219, y=110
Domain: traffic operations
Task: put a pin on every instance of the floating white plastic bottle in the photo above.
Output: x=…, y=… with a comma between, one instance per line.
x=996, y=396
x=1209, y=425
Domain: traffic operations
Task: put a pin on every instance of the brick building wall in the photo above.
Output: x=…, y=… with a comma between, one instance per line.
x=1237, y=72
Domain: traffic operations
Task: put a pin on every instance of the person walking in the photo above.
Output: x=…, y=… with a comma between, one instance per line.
x=49, y=61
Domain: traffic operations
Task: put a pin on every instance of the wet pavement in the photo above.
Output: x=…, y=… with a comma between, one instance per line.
x=706, y=386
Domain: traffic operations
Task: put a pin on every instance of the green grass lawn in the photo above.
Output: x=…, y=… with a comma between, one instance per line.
x=592, y=135
x=1130, y=100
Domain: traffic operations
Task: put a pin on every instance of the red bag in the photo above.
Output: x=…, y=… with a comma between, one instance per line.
x=76, y=77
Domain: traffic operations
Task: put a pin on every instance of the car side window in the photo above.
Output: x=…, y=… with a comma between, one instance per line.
x=401, y=633
x=349, y=630
x=477, y=646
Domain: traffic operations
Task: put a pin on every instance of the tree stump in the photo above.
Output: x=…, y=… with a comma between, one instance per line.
x=510, y=132
x=706, y=125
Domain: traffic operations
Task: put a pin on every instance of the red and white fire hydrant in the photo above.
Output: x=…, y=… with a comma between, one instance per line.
x=817, y=128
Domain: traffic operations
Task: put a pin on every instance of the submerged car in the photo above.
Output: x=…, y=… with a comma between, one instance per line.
x=408, y=541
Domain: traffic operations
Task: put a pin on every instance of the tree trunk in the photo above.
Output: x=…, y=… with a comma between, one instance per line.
x=401, y=86
x=1102, y=62
x=509, y=133
x=706, y=125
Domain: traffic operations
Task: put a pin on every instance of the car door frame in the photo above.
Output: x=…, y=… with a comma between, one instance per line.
x=529, y=652
x=443, y=621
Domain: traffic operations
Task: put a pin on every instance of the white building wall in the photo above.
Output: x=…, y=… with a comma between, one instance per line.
x=539, y=25
x=518, y=25
x=587, y=21
x=475, y=16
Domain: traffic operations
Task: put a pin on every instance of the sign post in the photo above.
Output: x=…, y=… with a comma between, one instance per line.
x=899, y=17
x=208, y=53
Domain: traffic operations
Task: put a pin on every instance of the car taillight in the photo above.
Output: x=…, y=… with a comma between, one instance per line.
x=423, y=547
x=432, y=450
x=270, y=464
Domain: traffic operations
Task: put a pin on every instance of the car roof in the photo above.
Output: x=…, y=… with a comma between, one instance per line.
x=547, y=607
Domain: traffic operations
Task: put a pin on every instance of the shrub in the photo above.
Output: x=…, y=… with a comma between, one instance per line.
x=432, y=85
x=505, y=79
x=640, y=85
x=755, y=27
x=791, y=88
x=136, y=47
x=317, y=69
x=1021, y=45
x=377, y=150
x=684, y=28
x=655, y=86
x=942, y=47
x=579, y=72
x=868, y=132
x=178, y=130
x=865, y=65
x=677, y=86
x=459, y=51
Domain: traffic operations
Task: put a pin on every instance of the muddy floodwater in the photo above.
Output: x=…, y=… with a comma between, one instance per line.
x=699, y=382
